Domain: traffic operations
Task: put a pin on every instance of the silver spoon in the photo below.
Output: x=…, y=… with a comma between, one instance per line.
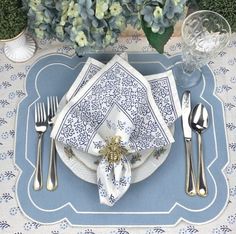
x=199, y=122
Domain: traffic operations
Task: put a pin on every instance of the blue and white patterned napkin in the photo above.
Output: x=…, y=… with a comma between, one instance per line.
x=116, y=102
x=165, y=94
x=91, y=67
x=163, y=88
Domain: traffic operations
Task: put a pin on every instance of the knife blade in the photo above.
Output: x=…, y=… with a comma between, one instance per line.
x=190, y=187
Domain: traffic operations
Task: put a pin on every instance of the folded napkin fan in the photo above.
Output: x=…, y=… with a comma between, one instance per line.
x=162, y=85
x=91, y=67
x=112, y=115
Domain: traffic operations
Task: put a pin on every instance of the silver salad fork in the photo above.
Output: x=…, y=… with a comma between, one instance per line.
x=40, y=127
x=52, y=104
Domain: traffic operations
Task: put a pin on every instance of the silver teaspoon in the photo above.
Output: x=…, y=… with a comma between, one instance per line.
x=199, y=122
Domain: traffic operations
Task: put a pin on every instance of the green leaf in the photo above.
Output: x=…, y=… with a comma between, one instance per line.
x=157, y=40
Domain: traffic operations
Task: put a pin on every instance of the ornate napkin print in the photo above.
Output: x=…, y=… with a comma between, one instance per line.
x=166, y=96
x=163, y=88
x=91, y=67
x=116, y=102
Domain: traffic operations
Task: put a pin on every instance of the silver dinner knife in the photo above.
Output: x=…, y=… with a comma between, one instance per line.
x=190, y=186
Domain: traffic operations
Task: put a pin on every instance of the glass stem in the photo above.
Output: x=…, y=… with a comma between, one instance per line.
x=189, y=67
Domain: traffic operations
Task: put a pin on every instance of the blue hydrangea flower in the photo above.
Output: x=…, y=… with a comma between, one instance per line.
x=101, y=8
x=91, y=25
x=159, y=14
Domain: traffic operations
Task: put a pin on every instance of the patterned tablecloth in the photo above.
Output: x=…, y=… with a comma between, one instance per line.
x=12, y=90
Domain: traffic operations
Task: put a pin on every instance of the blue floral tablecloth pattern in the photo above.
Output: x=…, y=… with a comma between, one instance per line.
x=12, y=90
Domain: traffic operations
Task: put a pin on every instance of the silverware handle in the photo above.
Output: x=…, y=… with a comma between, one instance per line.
x=190, y=187
x=52, y=170
x=201, y=181
x=38, y=177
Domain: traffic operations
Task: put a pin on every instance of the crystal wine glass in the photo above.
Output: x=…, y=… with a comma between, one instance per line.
x=204, y=34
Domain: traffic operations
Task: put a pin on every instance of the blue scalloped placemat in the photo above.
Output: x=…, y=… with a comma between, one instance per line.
x=158, y=200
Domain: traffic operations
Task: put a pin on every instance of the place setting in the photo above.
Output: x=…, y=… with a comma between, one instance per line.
x=123, y=139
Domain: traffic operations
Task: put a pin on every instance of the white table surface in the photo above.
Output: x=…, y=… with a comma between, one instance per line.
x=12, y=90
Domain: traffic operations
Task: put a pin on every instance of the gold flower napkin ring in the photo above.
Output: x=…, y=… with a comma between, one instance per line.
x=113, y=150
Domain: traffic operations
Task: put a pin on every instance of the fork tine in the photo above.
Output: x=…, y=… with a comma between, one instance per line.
x=38, y=112
x=54, y=106
x=48, y=106
x=35, y=113
x=44, y=113
x=56, y=102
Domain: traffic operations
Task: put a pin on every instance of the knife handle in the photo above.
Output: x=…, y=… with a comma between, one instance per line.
x=190, y=186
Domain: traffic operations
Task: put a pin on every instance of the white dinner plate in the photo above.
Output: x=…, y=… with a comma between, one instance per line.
x=156, y=158
x=84, y=165
x=91, y=161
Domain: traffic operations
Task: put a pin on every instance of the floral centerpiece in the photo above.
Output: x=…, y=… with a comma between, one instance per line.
x=96, y=24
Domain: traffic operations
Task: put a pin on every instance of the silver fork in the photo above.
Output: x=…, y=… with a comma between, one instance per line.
x=52, y=103
x=40, y=127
